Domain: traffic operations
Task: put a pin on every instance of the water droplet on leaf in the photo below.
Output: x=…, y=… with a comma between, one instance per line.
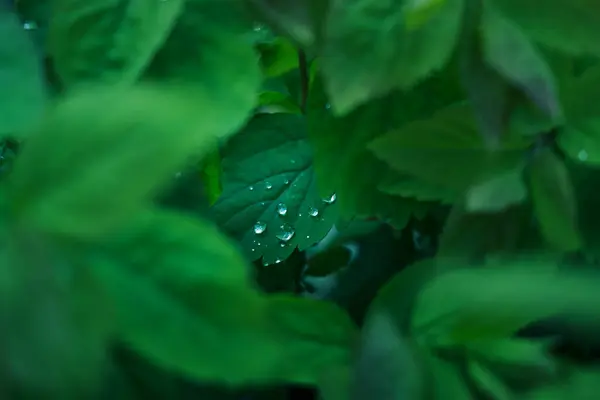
x=313, y=212
x=30, y=25
x=257, y=27
x=286, y=182
x=251, y=188
x=281, y=209
x=330, y=200
x=268, y=185
x=260, y=227
x=287, y=232
x=277, y=261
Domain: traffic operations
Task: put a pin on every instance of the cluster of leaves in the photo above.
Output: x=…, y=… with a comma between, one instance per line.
x=298, y=117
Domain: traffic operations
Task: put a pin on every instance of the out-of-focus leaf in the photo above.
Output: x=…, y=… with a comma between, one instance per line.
x=400, y=53
x=461, y=306
x=508, y=50
x=446, y=150
x=554, y=201
x=497, y=193
x=213, y=325
x=21, y=77
x=108, y=40
x=108, y=164
x=487, y=382
x=386, y=367
x=571, y=27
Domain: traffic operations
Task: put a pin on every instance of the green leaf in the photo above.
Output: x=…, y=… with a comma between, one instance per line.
x=108, y=164
x=270, y=200
x=21, y=77
x=342, y=161
x=447, y=380
x=487, y=382
x=302, y=21
x=554, y=201
x=497, y=193
x=278, y=57
x=404, y=185
x=572, y=27
x=508, y=50
x=523, y=359
x=446, y=150
x=108, y=40
x=54, y=313
x=213, y=325
x=386, y=367
x=580, y=138
x=400, y=53
x=463, y=306
x=222, y=66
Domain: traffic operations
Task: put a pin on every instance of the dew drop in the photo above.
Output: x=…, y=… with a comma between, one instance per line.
x=287, y=232
x=330, y=200
x=313, y=212
x=251, y=188
x=281, y=209
x=268, y=185
x=582, y=155
x=257, y=27
x=277, y=261
x=260, y=227
x=265, y=264
x=299, y=214
x=30, y=26
x=262, y=203
x=286, y=182
x=253, y=250
x=281, y=244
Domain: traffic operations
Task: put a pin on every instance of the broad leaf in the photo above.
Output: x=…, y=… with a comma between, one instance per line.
x=21, y=77
x=208, y=55
x=570, y=26
x=497, y=193
x=108, y=40
x=554, y=201
x=508, y=50
x=270, y=201
x=213, y=325
x=386, y=367
x=463, y=306
x=342, y=161
x=446, y=150
x=46, y=319
x=400, y=53
x=108, y=164
x=446, y=380
x=580, y=138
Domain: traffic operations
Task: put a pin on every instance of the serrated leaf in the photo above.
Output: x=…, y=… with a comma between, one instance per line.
x=487, y=382
x=446, y=150
x=270, y=201
x=400, y=55
x=110, y=163
x=497, y=193
x=554, y=201
x=572, y=27
x=213, y=325
x=344, y=164
x=508, y=50
x=21, y=77
x=462, y=306
x=108, y=41
x=403, y=185
x=223, y=65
